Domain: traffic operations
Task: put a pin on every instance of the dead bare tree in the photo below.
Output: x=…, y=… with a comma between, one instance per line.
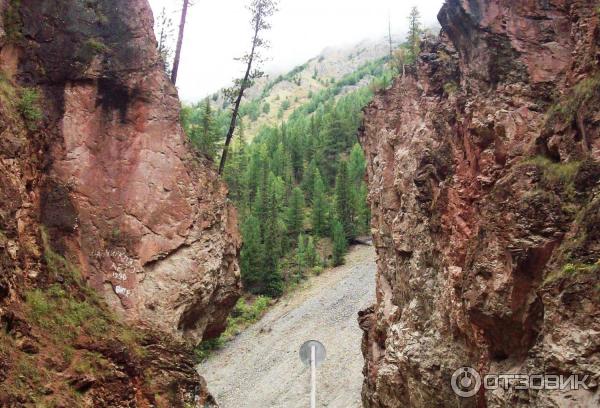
x=390, y=36
x=164, y=34
x=179, y=41
x=261, y=10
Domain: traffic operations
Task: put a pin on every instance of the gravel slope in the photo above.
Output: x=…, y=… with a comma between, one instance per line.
x=261, y=369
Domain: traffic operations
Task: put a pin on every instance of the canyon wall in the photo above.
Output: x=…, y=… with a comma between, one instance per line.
x=484, y=169
x=100, y=189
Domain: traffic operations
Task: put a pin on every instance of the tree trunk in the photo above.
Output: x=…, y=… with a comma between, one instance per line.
x=238, y=101
x=179, y=42
x=390, y=39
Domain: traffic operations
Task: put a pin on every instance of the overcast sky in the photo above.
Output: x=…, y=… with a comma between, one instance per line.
x=217, y=31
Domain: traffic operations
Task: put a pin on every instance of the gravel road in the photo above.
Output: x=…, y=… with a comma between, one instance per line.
x=260, y=368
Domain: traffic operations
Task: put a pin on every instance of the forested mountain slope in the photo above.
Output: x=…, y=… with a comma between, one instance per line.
x=274, y=98
x=299, y=183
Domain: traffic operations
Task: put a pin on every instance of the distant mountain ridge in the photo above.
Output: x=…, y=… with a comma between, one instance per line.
x=274, y=98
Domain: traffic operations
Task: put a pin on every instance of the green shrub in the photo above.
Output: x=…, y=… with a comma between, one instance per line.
x=12, y=22
x=317, y=270
x=96, y=46
x=572, y=270
x=58, y=266
x=55, y=310
x=39, y=305
x=558, y=176
x=579, y=96
x=450, y=88
x=29, y=108
x=204, y=349
x=556, y=172
x=242, y=316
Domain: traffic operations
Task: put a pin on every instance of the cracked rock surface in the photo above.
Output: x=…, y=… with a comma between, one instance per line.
x=483, y=171
x=146, y=219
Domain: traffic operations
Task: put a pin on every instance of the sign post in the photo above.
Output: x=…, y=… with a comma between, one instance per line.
x=312, y=353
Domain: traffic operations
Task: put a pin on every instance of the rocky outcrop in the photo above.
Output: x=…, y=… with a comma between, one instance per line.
x=148, y=223
x=484, y=169
x=99, y=189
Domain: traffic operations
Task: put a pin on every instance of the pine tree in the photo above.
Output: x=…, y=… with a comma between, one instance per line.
x=274, y=283
x=319, y=208
x=295, y=220
x=279, y=160
x=358, y=189
x=296, y=156
x=311, y=253
x=356, y=165
x=308, y=181
x=334, y=141
x=414, y=33
x=164, y=34
x=261, y=10
x=236, y=170
x=206, y=136
x=343, y=200
x=271, y=238
x=361, y=211
x=251, y=255
x=301, y=259
x=339, y=243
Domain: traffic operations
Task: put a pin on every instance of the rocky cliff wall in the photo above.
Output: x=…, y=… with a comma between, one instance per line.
x=99, y=189
x=483, y=168
x=147, y=221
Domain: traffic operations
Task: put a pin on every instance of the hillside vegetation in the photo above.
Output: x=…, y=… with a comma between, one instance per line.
x=275, y=97
x=299, y=184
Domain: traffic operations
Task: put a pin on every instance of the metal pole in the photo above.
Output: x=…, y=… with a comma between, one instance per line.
x=313, y=377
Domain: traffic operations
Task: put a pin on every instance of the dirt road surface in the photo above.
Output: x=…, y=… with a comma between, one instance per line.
x=261, y=368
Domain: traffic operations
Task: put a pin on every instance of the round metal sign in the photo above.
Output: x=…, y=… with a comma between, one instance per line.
x=306, y=352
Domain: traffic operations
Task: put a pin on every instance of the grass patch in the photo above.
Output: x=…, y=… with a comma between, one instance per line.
x=450, y=88
x=572, y=270
x=29, y=108
x=579, y=96
x=58, y=266
x=72, y=308
x=9, y=98
x=59, y=313
x=556, y=172
x=11, y=21
x=560, y=177
x=243, y=315
x=98, y=47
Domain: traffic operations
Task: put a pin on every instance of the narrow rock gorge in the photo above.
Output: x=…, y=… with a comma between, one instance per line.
x=107, y=216
x=483, y=170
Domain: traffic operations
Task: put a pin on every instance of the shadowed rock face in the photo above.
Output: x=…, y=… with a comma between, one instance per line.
x=483, y=170
x=148, y=222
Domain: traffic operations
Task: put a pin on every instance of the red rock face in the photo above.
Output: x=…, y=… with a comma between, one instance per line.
x=146, y=219
x=483, y=173
x=103, y=191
